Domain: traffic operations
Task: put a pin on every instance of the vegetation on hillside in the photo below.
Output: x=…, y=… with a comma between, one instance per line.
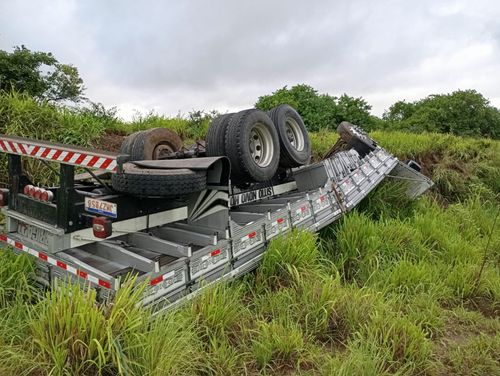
x=396, y=287
x=320, y=111
x=463, y=112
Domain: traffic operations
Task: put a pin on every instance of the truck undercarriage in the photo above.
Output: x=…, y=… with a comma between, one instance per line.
x=181, y=219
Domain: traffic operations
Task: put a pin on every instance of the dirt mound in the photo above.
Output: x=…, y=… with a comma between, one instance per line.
x=110, y=142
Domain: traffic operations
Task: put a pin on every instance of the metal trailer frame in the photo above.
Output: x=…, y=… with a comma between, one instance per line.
x=179, y=246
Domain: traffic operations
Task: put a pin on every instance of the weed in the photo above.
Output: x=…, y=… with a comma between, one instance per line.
x=278, y=343
x=295, y=251
x=219, y=309
x=16, y=272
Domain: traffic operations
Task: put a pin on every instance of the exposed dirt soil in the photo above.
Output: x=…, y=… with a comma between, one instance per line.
x=110, y=142
x=457, y=334
x=485, y=306
x=427, y=161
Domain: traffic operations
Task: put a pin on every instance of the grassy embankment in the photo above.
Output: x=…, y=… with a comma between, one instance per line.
x=395, y=287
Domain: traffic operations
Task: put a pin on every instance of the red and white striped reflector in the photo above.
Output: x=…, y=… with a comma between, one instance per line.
x=215, y=253
x=162, y=278
x=68, y=156
x=60, y=264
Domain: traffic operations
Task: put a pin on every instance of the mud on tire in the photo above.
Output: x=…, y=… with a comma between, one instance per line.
x=151, y=144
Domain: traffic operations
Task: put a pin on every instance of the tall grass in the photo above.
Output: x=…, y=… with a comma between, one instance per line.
x=20, y=115
x=395, y=287
x=192, y=127
x=376, y=294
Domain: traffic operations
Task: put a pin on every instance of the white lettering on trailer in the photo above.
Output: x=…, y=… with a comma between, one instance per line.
x=245, y=197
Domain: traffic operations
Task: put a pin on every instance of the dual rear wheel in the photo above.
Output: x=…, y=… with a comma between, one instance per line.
x=258, y=143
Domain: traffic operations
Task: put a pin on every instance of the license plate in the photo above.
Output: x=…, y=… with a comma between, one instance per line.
x=93, y=205
x=33, y=233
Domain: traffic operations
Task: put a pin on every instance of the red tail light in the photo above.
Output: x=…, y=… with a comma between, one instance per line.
x=101, y=227
x=31, y=191
x=38, y=193
x=47, y=196
x=27, y=188
x=4, y=197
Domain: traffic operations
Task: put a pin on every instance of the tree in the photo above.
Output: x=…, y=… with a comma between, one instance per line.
x=463, y=112
x=40, y=75
x=319, y=111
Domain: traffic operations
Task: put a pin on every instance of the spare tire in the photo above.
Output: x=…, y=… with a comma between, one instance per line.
x=151, y=144
x=216, y=136
x=138, y=181
x=295, y=146
x=356, y=138
x=252, y=146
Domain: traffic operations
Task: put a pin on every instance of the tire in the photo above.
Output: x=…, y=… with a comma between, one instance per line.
x=215, y=140
x=356, y=138
x=151, y=144
x=252, y=146
x=295, y=146
x=127, y=142
x=158, y=182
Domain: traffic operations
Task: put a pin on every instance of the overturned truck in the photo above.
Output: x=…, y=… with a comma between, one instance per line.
x=184, y=218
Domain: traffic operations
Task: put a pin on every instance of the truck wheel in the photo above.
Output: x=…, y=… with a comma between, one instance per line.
x=252, y=146
x=216, y=136
x=127, y=141
x=295, y=146
x=356, y=138
x=138, y=181
x=151, y=144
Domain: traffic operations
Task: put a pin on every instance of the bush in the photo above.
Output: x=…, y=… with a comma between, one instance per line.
x=320, y=111
x=463, y=112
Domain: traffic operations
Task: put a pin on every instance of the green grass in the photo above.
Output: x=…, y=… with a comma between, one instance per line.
x=375, y=294
x=394, y=288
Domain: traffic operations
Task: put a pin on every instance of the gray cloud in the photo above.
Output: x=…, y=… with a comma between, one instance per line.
x=177, y=56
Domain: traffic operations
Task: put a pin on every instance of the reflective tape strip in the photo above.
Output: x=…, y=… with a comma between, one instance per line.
x=277, y=222
x=162, y=278
x=52, y=261
x=75, y=158
x=251, y=235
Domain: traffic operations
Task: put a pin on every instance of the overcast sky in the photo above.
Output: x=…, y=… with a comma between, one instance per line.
x=176, y=56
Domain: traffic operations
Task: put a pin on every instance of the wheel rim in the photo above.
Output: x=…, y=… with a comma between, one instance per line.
x=294, y=134
x=261, y=145
x=162, y=150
